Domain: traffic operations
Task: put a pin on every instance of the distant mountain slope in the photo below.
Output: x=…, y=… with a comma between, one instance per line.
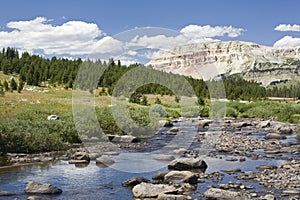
x=263, y=64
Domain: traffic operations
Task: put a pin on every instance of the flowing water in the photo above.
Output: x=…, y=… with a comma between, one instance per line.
x=94, y=182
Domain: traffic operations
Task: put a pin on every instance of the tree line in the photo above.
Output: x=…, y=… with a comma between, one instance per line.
x=38, y=71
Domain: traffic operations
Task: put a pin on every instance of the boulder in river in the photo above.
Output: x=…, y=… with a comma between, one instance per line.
x=135, y=181
x=275, y=136
x=187, y=164
x=264, y=124
x=4, y=193
x=149, y=190
x=241, y=124
x=124, y=139
x=165, y=123
x=104, y=161
x=214, y=193
x=203, y=123
x=41, y=188
x=164, y=157
x=176, y=177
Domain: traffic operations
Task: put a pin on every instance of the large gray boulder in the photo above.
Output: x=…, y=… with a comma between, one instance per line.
x=104, y=161
x=187, y=164
x=41, y=188
x=177, y=177
x=149, y=190
x=220, y=194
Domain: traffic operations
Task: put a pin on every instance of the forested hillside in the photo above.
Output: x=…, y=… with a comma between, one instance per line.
x=38, y=71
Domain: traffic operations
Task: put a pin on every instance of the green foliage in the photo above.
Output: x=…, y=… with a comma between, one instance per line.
x=20, y=86
x=103, y=92
x=5, y=85
x=2, y=93
x=157, y=101
x=13, y=84
x=144, y=100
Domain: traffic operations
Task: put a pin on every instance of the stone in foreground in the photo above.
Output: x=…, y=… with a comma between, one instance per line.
x=149, y=190
x=219, y=194
x=41, y=188
x=187, y=164
x=176, y=177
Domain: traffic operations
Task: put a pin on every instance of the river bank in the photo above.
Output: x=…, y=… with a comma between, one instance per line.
x=249, y=158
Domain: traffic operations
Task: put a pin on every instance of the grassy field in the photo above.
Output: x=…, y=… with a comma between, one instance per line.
x=24, y=126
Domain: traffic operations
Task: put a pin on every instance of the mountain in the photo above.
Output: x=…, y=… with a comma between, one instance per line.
x=264, y=64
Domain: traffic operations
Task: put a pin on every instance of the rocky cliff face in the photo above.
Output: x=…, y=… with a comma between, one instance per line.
x=206, y=61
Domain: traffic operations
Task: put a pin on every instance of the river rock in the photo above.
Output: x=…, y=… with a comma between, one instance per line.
x=175, y=177
x=149, y=190
x=38, y=198
x=105, y=161
x=165, y=123
x=124, y=139
x=180, y=151
x=268, y=197
x=219, y=194
x=173, y=197
x=173, y=131
x=78, y=162
x=40, y=188
x=264, y=124
x=160, y=177
x=283, y=129
x=135, y=181
x=164, y=157
x=81, y=156
x=187, y=164
x=204, y=123
x=4, y=193
x=275, y=136
x=240, y=124
x=295, y=191
x=232, y=171
x=263, y=167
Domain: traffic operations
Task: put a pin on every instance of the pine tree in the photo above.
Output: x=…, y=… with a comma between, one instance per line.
x=6, y=87
x=13, y=84
x=20, y=86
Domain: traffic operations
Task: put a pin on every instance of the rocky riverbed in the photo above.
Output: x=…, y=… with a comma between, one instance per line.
x=226, y=159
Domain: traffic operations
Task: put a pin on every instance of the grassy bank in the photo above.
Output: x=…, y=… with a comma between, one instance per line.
x=24, y=126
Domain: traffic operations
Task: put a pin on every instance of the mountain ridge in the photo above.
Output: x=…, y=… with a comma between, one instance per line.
x=264, y=64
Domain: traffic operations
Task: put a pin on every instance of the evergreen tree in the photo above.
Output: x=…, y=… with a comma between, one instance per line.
x=5, y=85
x=13, y=84
x=144, y=100
x=20, y=86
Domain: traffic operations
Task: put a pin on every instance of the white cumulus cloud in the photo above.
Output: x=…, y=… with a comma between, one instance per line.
x=73, y=37
x=287, y=27
x=287, y=41
x=207, y=31
x=77, y=38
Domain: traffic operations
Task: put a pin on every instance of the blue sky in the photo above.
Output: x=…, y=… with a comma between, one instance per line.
x=253, y=21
